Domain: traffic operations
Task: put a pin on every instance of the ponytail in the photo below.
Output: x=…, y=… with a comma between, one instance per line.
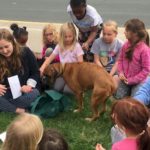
x=143, y=141
x=129, y=53
x=147, y=38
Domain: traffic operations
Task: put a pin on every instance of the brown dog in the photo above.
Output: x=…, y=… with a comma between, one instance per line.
x=82, y=76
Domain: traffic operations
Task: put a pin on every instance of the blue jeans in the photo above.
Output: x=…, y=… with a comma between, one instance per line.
x=24, y=101
x=143, y=92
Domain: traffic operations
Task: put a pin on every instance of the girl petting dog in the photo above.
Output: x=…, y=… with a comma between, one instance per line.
x=68, y=49
x=133, y=119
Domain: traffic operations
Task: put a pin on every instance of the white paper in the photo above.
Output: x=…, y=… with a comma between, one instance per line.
x=15, y=86
x=3, y=136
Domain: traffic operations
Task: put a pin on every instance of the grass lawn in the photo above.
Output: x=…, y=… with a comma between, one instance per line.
x=80, y=134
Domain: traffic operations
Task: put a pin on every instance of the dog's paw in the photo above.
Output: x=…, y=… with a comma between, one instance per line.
x=76, y=110
x=89, y=119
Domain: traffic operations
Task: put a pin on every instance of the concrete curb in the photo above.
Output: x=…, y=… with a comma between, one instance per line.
x=35, y=32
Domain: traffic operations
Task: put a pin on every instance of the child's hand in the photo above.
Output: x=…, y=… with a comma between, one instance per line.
x=126, y=81
x=2, y=89
x=85, y=46
x=99, y=147
x=26, y=89
x=122, y=77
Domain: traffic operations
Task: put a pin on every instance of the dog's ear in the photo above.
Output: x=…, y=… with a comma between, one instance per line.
x=54, y=70
x=51, y=72
x=59, y=67
x=47, y=71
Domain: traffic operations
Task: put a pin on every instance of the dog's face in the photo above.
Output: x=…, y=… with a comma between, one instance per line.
x=52, y=71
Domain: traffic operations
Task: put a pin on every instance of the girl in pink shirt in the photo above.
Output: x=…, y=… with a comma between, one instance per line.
x=132, y=119
x=134, y=59
x=69, y=51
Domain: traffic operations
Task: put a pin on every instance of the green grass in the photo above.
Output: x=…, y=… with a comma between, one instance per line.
x=79, y=133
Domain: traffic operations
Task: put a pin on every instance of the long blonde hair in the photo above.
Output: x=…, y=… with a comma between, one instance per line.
x=24, y=133
x=15, y=58
x=52, y=28
x=63, y=28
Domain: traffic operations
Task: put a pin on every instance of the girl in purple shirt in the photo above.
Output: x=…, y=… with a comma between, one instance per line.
x=134, y=59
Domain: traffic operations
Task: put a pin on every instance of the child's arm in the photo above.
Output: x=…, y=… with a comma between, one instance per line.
x=80, y=58
x=96, y=60
x=114, y=69
x=91, y=38
x=47, y=62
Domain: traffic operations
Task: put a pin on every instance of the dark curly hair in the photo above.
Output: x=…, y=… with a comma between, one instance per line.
x=76, y=3
x=17, y=31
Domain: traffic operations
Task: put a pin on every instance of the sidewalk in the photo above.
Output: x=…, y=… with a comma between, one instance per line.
x=35, y=32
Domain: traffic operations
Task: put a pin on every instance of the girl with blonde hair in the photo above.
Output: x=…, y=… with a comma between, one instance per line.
x=50, y=39
x=68, y=49
x=107, y=47
x=24, y=133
